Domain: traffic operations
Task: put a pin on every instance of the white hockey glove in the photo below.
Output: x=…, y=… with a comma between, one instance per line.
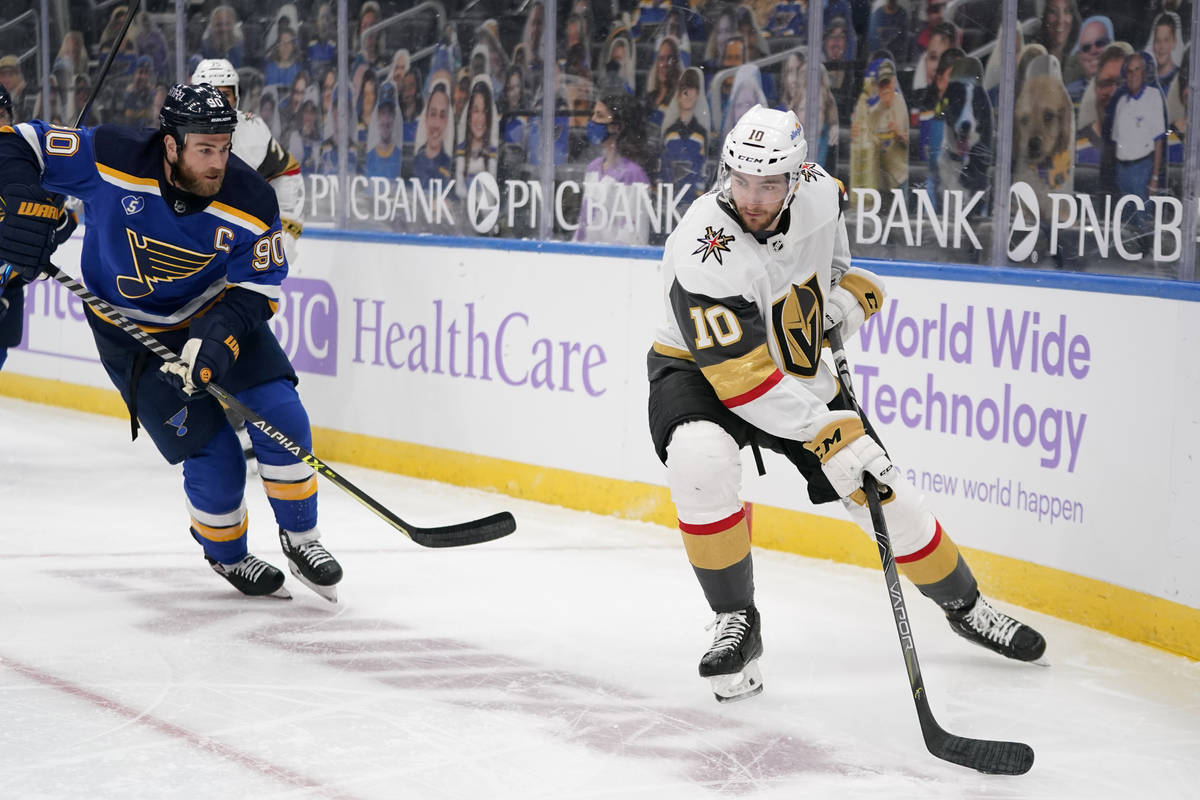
x=201, y=361
x=857, y=296
x=846, y=452
x=291, y=239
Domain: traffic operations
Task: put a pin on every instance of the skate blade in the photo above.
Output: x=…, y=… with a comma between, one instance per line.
x=738, y=685
x=327, y=592
x=281, y=593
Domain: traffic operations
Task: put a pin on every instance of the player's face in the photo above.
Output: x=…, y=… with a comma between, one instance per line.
x=227, y=91
x=5, y=116
x=200, y=165
x=758, y=198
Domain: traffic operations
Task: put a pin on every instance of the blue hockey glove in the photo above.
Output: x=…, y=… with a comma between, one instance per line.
x=31, y=218
x=202, y=361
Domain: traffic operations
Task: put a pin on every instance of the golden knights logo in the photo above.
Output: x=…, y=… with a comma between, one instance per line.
x=156, y=262
x=798, y=320
x=810, y=171
x=712, y=243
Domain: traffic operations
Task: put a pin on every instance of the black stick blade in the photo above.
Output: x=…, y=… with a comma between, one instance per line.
x=991, y=757
x=463, y=533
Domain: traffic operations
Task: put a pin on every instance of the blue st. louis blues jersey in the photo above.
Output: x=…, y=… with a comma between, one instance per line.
x=157, y=264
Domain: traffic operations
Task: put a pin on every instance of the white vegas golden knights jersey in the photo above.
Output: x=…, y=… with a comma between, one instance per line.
x=749, y=312
x=254, y=144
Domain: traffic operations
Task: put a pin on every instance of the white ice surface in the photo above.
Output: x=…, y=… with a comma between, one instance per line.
x=557, y=663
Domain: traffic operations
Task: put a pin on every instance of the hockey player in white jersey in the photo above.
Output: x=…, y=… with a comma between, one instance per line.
x=756, y=272
x=254, y=144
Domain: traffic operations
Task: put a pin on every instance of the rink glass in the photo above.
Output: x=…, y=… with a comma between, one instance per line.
x=446, y=129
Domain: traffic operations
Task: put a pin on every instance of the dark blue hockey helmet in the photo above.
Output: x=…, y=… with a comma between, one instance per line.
x=199, y=108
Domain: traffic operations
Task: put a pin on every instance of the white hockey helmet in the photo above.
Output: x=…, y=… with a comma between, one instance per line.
x=218, y=72
x=764, y=141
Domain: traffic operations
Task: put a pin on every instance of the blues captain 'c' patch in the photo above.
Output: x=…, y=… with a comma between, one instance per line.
x=712, y=243
x=176, y=421
x=132, y=203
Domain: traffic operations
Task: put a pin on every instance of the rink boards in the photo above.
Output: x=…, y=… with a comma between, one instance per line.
x=1053, y=428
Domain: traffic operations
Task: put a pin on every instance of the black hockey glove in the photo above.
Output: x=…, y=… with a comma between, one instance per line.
x=27, y=235
x=3, y=308
x=203, y=360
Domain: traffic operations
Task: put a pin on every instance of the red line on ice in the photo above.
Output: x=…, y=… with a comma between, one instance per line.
x=197, y=740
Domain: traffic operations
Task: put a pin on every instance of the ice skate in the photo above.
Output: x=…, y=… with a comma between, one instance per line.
x=731, y=663
x=995, y=630
x=311, y=563
x=252, y=576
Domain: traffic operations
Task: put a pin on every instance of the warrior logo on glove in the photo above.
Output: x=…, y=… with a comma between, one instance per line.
x=31, y=209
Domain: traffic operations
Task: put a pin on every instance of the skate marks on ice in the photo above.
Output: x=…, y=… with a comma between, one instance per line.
x=703, y=748
x=143, y=717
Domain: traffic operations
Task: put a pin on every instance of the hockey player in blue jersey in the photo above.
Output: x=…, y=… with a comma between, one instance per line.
x=12, y=285
x=185, y=240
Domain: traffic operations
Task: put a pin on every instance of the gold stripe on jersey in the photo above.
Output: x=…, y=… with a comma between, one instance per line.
x=736, y=376
x=672, y=352
x=177, y=326
x=238, y=216
x=127, y=181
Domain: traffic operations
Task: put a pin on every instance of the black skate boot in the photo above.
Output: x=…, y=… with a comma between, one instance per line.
x=731, y=663
x=252, y=576
x=310, y=562
x=995, y=630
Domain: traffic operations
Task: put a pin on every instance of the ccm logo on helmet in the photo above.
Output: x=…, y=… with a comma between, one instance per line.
x=750, y=159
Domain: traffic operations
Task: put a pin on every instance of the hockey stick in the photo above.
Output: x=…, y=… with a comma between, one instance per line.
x=475, y=531
x=986, y=755
x=112, y=53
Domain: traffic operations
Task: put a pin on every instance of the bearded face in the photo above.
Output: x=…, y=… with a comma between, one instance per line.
x=199, y=166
